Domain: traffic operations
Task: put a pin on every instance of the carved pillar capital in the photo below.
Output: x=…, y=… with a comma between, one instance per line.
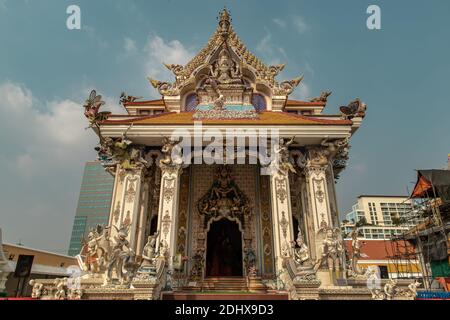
x=325, y=153
x=172, y=170
x=317, y=157
x=314, y=170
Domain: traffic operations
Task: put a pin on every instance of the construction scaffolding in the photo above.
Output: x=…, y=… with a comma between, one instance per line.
x=426, y=241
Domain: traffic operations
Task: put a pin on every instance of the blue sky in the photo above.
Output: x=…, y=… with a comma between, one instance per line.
x=46, y=71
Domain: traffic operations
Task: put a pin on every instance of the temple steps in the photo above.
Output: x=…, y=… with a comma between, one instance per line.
x=224, y=284
x=226, y=288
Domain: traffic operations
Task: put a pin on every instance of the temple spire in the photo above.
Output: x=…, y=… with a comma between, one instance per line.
x=224, y=22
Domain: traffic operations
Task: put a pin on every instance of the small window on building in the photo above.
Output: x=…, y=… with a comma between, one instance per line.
x=11, y=257
x=259, y=102
x=191, y=102
x=384, y=273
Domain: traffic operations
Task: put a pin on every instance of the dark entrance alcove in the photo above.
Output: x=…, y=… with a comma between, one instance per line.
x=224, y=249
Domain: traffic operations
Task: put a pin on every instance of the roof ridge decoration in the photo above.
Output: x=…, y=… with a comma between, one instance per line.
x=225, y=36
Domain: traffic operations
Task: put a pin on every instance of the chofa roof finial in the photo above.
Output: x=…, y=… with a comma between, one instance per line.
x=225, y=15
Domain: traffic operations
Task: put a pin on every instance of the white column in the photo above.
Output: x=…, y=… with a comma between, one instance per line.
x=320, y=212
x=281, y=218
x=318, y=196
x=126, y=205
x=168, y=208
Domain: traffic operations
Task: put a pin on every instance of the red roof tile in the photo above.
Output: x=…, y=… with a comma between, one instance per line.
x=265, y=118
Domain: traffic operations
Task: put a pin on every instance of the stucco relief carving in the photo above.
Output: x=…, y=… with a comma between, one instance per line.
x=130, y=194
x=319, y=192
x=266, y=225
x=281, y=190
x=168, y=189
x=166, y=221
x=285, y=249
x=116, y=213
x=284, y=224
x=224, y=198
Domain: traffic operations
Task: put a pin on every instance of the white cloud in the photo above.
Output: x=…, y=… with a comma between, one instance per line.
x=309, y=68
x=279, y=22
x=15, y=97
x=94, y=36
x=271, y=53
x=130, y=46
x=57, y=134
x=159, y=51
x=44, y=148
x=300, y=24
x=3, y=5
x=302, y=92
x=25, y=165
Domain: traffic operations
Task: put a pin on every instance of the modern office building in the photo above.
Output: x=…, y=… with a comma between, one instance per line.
x=93, y=204
x=385, y=215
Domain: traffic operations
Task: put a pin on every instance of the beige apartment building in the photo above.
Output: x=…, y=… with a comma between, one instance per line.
x=386, y=216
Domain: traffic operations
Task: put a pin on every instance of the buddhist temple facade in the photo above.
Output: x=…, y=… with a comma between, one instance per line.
x=225, y=182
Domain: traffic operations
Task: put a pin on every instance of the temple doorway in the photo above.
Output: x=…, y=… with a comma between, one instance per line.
x=224, y=249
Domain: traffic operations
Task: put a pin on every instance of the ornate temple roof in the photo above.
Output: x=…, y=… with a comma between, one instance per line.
x=225, y=84
x=233, y=41
x=225, y=38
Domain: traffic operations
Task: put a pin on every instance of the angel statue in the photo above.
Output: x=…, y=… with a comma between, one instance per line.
x=93, y=255
x=92, y=107
x=331, y=251
x=282, y=156
x=321, y=156
x=120, y=254
x=301, y=253
x=149, y=252
x=390, y=289
x=412, y=288
x=170, y=151
x=218, y=98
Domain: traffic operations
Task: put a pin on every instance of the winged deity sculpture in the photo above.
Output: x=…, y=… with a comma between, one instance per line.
x=355, y=108
x=92, y=109
x=282, y=156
